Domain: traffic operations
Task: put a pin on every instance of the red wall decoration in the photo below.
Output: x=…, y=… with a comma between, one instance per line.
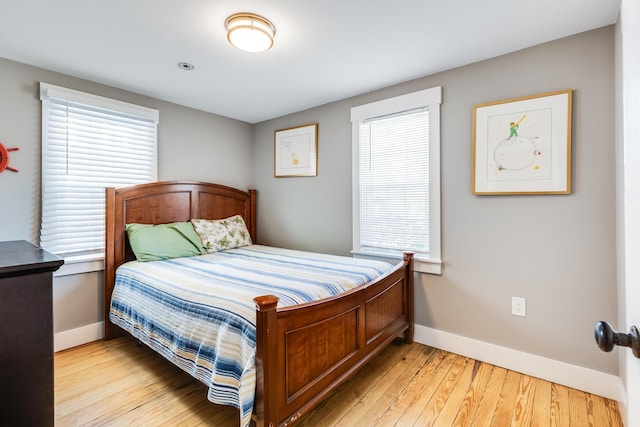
x=4, y=158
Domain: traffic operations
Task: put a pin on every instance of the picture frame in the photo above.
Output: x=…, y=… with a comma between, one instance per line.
x=523, y=145
x=296, y=151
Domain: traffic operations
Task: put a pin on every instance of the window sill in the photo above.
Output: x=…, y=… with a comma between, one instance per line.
x=421, y=263
x=80, y=264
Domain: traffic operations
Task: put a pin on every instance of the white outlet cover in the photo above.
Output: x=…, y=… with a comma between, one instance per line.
x=518, y=306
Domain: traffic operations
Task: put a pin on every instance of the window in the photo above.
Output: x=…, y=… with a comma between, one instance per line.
x=396, y=178
x=89, y=143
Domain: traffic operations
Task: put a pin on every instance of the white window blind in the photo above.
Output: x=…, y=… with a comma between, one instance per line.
x=89, y=143
x=394, y=182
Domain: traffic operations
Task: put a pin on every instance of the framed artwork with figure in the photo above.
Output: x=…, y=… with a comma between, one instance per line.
x=523, y=145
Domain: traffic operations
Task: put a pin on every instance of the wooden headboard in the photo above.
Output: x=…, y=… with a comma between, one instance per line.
x=162, y=203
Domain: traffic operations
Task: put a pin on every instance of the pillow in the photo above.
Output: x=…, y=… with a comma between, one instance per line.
x=163, y=241
x=220, y=234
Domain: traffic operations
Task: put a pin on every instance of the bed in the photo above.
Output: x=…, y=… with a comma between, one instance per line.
x=293, y=372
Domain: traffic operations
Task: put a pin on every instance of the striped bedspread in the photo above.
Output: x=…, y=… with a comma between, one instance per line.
x=199, y=313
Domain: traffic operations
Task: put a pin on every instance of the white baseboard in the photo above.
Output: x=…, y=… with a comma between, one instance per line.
x=75, y=337
x=578, y=377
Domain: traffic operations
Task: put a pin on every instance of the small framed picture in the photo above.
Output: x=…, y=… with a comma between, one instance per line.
x=296, y=151
x=523, y=145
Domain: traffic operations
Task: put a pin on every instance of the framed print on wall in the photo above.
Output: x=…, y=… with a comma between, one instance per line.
x=523, y=145
x=296, y=151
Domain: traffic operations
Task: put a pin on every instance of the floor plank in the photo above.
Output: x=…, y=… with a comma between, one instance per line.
x=117, y=383
x=542, y=404
x=559, y=406
x=473, y=398
x=578, y=413
x=507, y=400
x=456, y=398
x=375, y=403
x=523, y=410
x=415, y=389
x=431, y=412
x=484, y=414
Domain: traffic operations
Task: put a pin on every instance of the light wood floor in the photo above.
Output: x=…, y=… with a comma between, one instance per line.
x=117, y=383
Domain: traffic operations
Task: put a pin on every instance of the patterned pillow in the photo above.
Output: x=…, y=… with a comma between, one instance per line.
x=221, y=234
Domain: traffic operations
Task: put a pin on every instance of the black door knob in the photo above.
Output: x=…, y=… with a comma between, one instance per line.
x=607, y=338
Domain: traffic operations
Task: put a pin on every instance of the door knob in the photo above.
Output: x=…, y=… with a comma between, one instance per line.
x=607, y=338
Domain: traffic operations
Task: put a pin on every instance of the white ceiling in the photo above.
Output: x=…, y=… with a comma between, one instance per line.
x=324, y=50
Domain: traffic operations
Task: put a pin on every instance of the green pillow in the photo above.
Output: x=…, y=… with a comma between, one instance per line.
x=164, y=241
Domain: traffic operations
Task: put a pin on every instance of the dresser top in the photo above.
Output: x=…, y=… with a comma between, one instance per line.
x=19, y=257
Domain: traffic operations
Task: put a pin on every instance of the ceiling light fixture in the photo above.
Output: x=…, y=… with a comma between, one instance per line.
x=249, y=32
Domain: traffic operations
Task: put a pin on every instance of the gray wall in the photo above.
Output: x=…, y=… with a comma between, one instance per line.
x=192, y=145
x=556, y=251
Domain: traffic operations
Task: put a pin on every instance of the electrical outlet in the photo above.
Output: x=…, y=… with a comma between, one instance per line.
x=518, y=306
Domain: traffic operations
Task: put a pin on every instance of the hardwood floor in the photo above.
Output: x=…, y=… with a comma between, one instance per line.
x=117, y=383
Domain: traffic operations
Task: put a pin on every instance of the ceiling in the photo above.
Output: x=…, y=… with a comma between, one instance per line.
x=324, y=50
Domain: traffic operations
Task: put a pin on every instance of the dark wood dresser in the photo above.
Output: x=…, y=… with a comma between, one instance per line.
x=26, y=334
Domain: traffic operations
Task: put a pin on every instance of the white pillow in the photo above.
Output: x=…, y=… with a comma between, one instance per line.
x=221, y=234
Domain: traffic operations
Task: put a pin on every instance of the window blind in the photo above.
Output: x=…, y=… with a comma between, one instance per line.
x=394, y=182
x=89, y=143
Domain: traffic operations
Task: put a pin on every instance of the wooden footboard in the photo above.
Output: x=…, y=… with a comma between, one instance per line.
x=305, y=352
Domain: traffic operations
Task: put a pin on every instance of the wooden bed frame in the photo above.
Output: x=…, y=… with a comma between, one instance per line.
x=304, y=352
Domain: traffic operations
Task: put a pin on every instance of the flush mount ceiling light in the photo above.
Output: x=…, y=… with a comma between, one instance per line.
x=249, y=32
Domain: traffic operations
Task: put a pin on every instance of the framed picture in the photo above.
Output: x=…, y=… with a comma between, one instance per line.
x=523, y=145
x=296, y=151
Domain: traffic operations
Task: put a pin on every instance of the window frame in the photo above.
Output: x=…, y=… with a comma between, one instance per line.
x=427, y=98
x=86, y=262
